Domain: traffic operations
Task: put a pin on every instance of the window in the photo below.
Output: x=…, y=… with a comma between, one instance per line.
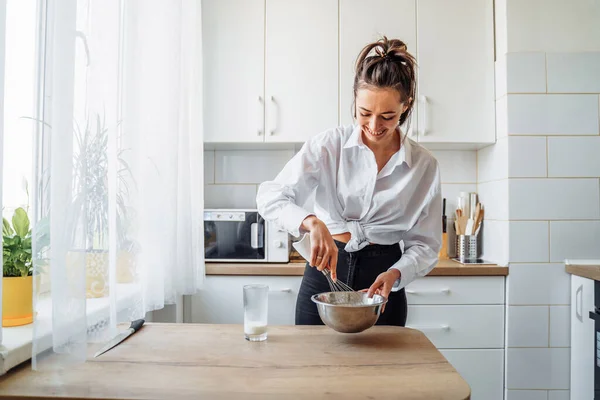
x=19, y=102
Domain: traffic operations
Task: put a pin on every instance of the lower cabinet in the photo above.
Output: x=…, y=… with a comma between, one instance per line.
x=221, y=301
x=583, y=338
x=483, y=369
x=462, y=316
x=459, y=326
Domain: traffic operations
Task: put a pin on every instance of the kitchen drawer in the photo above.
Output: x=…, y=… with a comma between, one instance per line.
x=221, y=299
x=482, y=369
x=459, y=327
x=456, y=290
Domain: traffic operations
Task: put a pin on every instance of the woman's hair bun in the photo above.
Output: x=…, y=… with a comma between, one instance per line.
x=386, y=63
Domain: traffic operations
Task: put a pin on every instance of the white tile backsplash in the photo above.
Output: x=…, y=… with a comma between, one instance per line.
x=527, y=156
x=209, y=167
x=550, y=199
x=528, y=241
x=494, y=197
x=527, y=326
x=239, y=166
x=526, y=72
x=457, y=166
x=492, y=161
x=230, y=196
x=538, y=284
x=237, y=173
x=574, y=72
x=574, y=156
x=574, y=239
x=560, y=326
x=538, y=368
x=557, y=114
x=526, y=395
x=495, y=241
x=553, y=25
x=559, y=395
x=558, y=52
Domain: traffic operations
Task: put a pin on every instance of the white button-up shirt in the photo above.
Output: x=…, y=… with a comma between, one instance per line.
x=402, y=202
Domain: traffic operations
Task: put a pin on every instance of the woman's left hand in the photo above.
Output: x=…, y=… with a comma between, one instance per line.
x=383, y=284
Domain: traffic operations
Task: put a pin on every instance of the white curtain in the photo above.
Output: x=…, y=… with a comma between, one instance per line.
x=119, y=193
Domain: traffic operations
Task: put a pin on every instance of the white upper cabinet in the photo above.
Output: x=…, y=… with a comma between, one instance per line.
x=455, y=53
x=233, y=61
x=363, y=22
x=283, y=70
x=301, y=69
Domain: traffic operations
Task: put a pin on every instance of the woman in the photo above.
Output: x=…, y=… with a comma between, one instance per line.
x=374, y=189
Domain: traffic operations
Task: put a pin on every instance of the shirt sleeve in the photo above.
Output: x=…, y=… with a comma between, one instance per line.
x=423, y=241
x=278, y=200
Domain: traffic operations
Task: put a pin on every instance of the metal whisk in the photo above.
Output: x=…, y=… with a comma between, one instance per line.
x=337, y=285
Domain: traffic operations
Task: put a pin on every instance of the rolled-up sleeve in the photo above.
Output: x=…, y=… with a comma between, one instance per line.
x=279, y=200
x=423, y=241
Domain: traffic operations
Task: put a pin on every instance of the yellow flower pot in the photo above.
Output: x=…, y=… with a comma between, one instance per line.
x=17, y=301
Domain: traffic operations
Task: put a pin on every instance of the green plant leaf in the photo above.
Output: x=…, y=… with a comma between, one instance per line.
x=6, y=229
x=21, y=268
x=20, y=221
x=9, y=241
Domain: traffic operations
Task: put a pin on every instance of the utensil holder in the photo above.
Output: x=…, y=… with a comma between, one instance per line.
x=467, y=247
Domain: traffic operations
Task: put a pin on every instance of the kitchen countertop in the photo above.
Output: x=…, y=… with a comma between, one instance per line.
x=585, y=268
x=196, y=361
x=444, y=268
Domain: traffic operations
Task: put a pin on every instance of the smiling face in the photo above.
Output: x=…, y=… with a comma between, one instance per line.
x=384, y=90
x=378, y=111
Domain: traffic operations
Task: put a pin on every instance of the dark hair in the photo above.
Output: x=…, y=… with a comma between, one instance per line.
x=391, y=66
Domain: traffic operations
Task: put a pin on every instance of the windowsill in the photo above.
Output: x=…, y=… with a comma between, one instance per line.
x=17, y=341
x=16, y=346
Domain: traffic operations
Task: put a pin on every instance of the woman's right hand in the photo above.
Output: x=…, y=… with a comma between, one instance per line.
x=323, y=252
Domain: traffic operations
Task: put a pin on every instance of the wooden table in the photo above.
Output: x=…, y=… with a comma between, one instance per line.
x=194, y=361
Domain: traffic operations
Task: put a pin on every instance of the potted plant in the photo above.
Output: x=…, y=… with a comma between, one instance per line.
x=90, y=204
x=17, y=283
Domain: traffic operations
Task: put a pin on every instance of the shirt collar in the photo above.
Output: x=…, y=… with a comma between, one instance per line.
x=355, y=139
x=403, y=155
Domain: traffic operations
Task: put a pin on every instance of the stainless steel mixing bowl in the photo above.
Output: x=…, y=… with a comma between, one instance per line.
x=348, y=312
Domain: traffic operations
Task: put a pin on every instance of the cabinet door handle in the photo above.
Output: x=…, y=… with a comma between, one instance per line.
x=442, y=327
x=423, y=113
x=579, y=303
x=261, y=115
x=254, y=236
x=273, y=116
x=442, y=291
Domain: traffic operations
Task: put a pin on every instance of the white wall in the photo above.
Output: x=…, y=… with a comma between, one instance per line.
x=550, y=108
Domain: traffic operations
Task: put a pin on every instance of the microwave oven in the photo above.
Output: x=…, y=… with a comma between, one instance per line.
x=243, y=236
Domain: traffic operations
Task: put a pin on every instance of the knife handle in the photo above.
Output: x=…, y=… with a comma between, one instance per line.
x=137, y=324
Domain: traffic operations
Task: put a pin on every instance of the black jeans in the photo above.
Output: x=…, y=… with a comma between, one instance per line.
x=359, y=270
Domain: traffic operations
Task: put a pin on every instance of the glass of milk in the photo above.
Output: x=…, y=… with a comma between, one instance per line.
x=255, y=312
